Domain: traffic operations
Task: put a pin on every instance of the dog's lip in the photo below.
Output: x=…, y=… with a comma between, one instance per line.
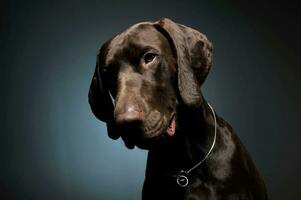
x=171, y=129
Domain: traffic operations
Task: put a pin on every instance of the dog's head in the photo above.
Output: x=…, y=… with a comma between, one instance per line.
x=148, y=70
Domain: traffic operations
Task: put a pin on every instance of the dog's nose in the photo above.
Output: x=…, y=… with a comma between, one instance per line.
x=131, y=114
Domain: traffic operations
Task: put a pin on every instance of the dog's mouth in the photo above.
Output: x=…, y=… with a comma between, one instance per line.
x=147, y=139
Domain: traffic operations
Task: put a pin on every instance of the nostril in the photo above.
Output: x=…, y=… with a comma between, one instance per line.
x=130, y=115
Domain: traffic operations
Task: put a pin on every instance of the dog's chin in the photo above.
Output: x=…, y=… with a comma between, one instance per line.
x=153, y=143
x=142, y=141
x=149, y=143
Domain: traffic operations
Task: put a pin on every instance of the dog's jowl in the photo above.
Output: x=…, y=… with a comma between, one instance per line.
x=154, y=72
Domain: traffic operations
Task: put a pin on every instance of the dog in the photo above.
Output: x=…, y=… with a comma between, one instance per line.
x=146, y=88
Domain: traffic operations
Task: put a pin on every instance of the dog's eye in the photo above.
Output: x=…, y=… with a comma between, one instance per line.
x=149, y=57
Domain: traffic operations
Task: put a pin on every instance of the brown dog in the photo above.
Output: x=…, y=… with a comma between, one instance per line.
x=154, y=71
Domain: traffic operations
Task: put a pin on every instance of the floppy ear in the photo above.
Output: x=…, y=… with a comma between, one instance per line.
x=100, y=100
x=194, y=57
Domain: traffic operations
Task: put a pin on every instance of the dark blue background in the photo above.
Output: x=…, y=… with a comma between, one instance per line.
x=52, y=147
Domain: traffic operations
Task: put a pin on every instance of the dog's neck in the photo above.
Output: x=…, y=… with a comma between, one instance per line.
x=191, y=142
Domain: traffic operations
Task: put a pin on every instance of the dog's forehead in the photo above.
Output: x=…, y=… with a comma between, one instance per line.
x=138, y=36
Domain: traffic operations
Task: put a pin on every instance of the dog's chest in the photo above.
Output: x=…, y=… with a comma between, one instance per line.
x=199, y=190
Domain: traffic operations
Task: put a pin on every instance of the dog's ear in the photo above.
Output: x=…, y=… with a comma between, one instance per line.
x=194, y=58
x=99, y=98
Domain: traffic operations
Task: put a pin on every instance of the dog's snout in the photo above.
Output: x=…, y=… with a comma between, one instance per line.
x=130, y=114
